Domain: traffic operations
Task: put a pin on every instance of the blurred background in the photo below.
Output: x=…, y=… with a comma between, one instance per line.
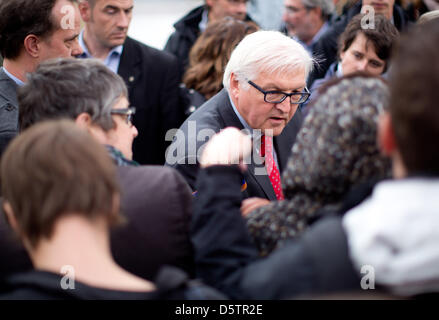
x=153, y=20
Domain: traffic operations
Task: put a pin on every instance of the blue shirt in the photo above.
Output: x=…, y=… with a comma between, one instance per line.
x=112, y=61
x=14, y=78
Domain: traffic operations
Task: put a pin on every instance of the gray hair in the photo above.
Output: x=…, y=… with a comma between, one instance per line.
x=268, y=52
x=65, y=88
x=327, y=6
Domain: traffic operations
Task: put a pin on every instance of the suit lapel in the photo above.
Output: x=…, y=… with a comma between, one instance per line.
x=130, y=64
x=8, y=88
x=283, y=143
x=255, y=172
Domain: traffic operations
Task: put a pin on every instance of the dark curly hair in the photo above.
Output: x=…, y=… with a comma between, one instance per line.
x=383, y=36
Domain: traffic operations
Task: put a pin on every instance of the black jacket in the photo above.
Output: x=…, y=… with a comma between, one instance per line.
x=152, y=77
x=157, y=205
x=326, y=48
x=316, y=263
x=216, y=114
x=171, y=283
x=186, y=33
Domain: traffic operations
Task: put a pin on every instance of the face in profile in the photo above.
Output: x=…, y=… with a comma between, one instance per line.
x=361, y=56
x=108, y=21
x=263, y=115
x=298, y=20
x=383, y=7
x=63, y=42
x=122, y=135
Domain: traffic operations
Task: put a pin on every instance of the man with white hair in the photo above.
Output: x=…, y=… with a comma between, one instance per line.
x=264, y=84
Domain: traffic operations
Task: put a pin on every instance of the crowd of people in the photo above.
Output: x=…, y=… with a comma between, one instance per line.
x=236, y=163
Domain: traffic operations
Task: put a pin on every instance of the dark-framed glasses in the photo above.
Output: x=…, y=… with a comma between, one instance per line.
x=275, y=96
x=127, y=112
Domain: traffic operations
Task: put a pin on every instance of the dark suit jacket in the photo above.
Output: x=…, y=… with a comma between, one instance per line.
x=217, y=114
x=157, y=205
x=8, y=110
x=152, y=77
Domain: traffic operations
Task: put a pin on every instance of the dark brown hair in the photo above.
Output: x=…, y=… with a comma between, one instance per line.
x=52, y=169
x=414, y=98
x=211, y=52
x=383, y=36
x=20, y=18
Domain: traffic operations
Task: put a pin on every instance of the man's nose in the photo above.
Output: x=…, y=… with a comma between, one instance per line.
x=284, y=106
x=135, y=131
x=362, y=65
x=123, y=20
x=77, y=49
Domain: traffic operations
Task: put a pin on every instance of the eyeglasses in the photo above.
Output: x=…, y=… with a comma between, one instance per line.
x=128, y=112
x=279, y=96
x=236, y=2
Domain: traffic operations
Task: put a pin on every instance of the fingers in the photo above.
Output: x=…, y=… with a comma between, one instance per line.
x=228, y=147
x=250, y=204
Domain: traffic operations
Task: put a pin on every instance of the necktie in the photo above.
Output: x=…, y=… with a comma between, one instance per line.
x=270, y=165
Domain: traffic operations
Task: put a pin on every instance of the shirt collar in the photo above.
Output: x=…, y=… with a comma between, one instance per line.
x=13, y=78
x=339, y=72
x=204, y=20
x=86, y=54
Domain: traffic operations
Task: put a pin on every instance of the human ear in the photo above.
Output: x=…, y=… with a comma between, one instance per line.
x=85, y=10
x=32, y=45
x=386, y=137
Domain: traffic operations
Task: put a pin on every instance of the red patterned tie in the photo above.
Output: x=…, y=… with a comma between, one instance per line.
x=270, y=165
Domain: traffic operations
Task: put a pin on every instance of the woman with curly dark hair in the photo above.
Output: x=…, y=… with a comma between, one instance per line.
x=209, y=56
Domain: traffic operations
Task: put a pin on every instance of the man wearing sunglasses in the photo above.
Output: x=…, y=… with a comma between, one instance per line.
x=264, y=84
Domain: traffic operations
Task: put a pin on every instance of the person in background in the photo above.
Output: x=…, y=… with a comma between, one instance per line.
x=189, y=27
x=365, y=50
x=327, y=46
x=152, y=76
x=31, y=31
x=307, y=20
x=209, y=56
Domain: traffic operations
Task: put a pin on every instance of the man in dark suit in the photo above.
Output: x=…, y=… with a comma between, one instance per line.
x=51, y=30
x=152, y=76
x=264, y=84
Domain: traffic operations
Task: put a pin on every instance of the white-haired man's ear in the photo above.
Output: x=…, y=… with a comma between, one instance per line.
x=386, y=137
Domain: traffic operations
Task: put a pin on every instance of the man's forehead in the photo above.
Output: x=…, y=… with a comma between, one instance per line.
x=283, y=81
x=123, y=4
x=65, y=15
